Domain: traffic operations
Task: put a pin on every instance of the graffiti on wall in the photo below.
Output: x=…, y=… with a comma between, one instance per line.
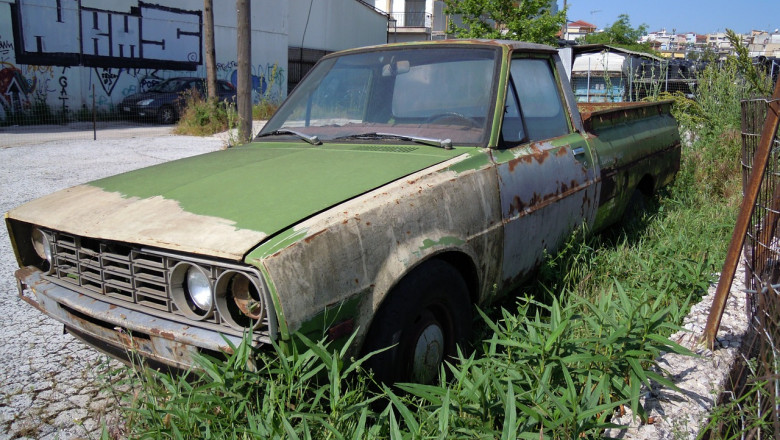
x=6, y=47
x=60, y=56
x=267, y=81
x=147, y=35
x=15, y=90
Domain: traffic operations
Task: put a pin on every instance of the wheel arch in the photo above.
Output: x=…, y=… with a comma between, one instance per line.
x=646, y=185
x=467, y=268
x=459, y=259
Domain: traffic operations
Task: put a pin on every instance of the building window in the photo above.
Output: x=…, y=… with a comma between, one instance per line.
x=415, y=13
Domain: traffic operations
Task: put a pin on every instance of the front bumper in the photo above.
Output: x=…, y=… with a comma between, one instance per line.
x=140, y=112
x=119, y=331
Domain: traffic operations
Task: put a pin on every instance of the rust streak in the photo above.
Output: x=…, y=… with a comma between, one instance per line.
x=312, y=236
x=537, y=202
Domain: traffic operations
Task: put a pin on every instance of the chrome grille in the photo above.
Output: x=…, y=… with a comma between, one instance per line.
x=115, y=271
x=134, y=277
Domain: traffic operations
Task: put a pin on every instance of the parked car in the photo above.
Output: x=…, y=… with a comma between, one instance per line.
x=165, y=101
x=395, y=188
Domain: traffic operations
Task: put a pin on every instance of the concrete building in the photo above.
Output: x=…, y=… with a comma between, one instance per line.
x=420, y=20
x=414, y=20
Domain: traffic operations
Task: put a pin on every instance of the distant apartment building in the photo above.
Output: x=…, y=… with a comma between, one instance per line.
x=670, y=45
x=578, y=29
x=764, y=44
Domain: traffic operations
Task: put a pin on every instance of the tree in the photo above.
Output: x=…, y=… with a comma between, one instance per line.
x=620, y=33
x=526, y=20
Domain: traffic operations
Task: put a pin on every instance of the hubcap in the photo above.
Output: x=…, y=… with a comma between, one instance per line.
x=428, y=354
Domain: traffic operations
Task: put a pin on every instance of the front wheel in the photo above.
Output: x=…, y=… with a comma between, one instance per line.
x=424, y=319
x=167, y=115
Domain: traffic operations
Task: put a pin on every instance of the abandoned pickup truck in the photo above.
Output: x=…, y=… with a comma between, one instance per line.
x=396, y=187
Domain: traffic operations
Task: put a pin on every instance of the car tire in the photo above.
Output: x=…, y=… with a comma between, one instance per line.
x=425, y=317
x=166, y=115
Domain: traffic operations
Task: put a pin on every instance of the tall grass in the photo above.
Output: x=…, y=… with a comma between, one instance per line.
x=554, y=362
x=204, y=117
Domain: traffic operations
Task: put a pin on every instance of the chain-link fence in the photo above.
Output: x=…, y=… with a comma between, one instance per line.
x=33, y=119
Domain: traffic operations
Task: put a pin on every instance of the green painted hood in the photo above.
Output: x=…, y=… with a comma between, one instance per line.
x=225, y=203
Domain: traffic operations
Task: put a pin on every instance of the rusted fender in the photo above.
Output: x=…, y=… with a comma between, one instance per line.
x=362, y=248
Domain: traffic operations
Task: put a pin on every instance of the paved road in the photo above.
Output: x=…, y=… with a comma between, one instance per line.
x=48, y=381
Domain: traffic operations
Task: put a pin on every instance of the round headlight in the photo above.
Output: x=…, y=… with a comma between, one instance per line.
x=191, y=291
x=239, y=301
x=199, y=288
x=42, y=245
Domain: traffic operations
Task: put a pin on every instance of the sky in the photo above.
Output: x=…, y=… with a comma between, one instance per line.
x=700, y=16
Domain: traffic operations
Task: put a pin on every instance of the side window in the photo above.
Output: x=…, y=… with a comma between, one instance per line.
x=540, y=99
x=512, y=130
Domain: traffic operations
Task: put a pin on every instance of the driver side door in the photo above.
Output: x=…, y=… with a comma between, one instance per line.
x=545, y=168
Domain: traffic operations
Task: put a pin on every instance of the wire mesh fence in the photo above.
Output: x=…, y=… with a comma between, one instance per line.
x=755, y=397
x=762, y=247
x=611, y=77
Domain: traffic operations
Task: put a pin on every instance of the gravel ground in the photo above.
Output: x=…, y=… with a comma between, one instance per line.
x=48, y=379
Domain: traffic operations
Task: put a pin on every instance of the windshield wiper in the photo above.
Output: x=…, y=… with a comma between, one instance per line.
x=314, y=140
x=441, y=143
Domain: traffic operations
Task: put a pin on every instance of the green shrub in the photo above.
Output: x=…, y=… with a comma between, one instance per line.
x=203, y=117
x=264, y=110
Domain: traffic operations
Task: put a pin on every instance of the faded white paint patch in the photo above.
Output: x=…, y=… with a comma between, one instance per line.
x=93, y=212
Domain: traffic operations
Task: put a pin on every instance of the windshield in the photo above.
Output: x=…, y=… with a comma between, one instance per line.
x=171, y=85
x=437, y=93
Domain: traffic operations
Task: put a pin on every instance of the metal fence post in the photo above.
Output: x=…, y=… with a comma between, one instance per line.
x=94, y=115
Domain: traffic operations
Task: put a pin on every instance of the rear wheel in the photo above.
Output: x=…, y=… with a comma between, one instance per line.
x=424, y=319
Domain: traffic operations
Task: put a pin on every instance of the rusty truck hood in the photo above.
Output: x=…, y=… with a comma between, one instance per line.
x=225, y=203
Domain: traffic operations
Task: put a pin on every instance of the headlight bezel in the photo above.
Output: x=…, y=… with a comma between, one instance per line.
x=42, y=246
x=238, y=308
x=183, y=297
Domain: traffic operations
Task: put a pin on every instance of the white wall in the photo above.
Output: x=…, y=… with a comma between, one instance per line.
x=335, y=25
x=125, y=46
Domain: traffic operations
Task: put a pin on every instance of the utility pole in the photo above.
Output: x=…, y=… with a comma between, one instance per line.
x=211, y=57
x=244, y=55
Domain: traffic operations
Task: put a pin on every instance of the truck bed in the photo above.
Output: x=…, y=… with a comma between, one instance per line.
x=596, y=115
x=638, y=148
